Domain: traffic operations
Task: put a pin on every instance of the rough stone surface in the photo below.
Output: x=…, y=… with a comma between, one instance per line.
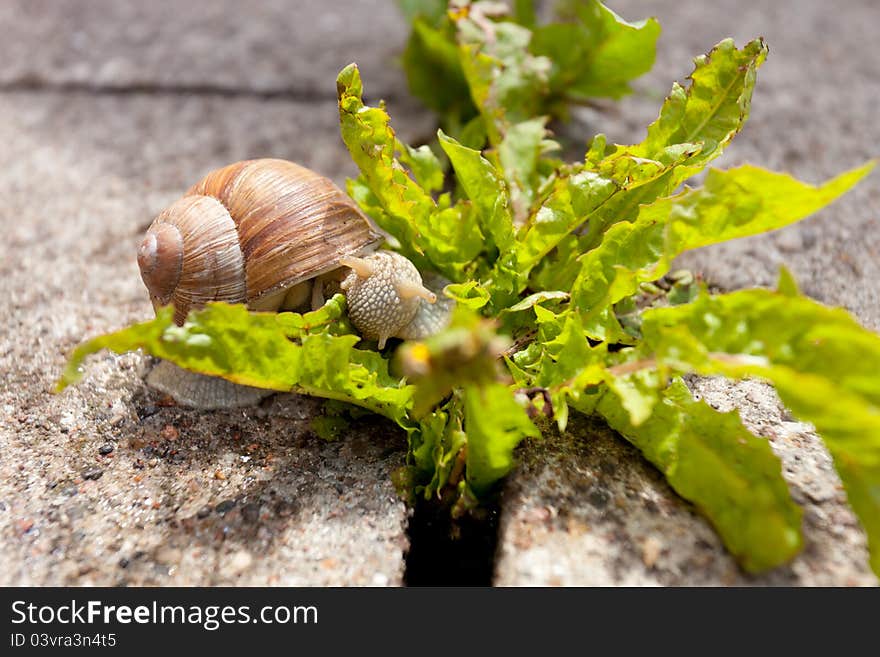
x=585, y=508
x=245, y=497
x=248, y=497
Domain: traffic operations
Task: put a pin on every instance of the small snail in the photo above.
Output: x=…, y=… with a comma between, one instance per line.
x=277, y=236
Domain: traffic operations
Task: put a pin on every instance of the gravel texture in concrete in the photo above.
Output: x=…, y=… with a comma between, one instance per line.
x=108, y=112
x=585, y=509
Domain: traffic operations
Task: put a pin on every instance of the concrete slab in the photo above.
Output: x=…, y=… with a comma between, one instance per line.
x=103, y=484
x=584, y=508
x=269, y=46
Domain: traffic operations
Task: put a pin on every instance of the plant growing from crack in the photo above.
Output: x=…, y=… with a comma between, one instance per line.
x=561, y=275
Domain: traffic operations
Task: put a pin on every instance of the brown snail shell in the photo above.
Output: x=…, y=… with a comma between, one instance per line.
x=259, y=232
x=248, y=231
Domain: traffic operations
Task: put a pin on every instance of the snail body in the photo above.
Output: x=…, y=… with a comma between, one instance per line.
x=274, y=235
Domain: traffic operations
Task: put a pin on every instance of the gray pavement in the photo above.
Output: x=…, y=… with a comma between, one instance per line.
x=90, y=155
x=268, y=46
x=109, y=110
x=585, y=509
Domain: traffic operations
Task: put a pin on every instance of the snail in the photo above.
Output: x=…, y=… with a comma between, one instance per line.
x=277, y=236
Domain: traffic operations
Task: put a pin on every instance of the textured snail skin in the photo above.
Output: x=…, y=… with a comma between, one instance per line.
x=200, y=390
x=431, y=318
x=386, y=295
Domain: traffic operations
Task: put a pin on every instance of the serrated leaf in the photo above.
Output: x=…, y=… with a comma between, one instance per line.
x=330, y=317
x=822, y=363
x=446, y=239
x=561, y=361
x=437, y=447
x=732, y=476
x=469, y=294
x=574, y=198
x=537, y=298
x=485, y=187
x=518, y=153
x=732, y=204
x=480, y=59
x=596, y=53
x=255, y=349
x=567, y=352
x=715, y=105
x=636, y=391
x=507, y=83
x=495, y=424
x=694, y=126
x=424, y=165
x=434, y=72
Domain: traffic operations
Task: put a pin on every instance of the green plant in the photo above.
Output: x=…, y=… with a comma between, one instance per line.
x=455, y=47
x=565, y=302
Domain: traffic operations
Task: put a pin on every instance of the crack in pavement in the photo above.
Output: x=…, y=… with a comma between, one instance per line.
x=40, y=85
